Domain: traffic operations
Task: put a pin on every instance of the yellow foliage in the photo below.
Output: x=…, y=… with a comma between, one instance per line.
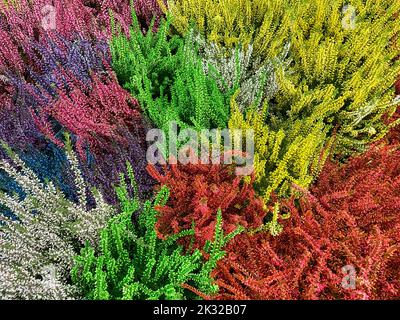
x=343, y=58
x=230, y=22
x=293, y=152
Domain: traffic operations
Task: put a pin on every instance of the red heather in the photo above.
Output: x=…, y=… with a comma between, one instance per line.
x=146, y=11
x=89, y=18
x=27, y=26
x=106, y=125
x=352, y=218
x=197, y=191
x=86, y=17
x=30, y=22
x=368, y=187
x=97, y=113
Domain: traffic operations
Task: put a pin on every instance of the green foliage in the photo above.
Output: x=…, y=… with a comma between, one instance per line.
x=133, y=263
x=10, y=2
x=165, y=73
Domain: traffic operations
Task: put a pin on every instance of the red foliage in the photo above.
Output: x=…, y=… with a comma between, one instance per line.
x=368, y=187
x=197, y=191
x=36, y=23
x=352, y=218
x=90, y=18
x=97, y=113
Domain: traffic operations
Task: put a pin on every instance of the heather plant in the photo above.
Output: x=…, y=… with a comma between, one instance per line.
x=312, y=79
x=45, y=159
x=106, y=122
x=48, y=64
x=166, y=75
x=348, y=219
x=37, y=248
x=239, y=67
x=321, y=254
x=69, y=87
x=393, y=137
x=340, y=74
x=233, y=22
x=341, y=71
x=10, y=2
x=198, y=191
x=79, y=56
x=148, y=12
x=38, y=37
x=35, y=19
x=133, y=263
x=93, y=112
x=366, y=186
x=285, y=153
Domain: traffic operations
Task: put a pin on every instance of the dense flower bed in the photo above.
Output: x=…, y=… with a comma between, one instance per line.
x=199, y=149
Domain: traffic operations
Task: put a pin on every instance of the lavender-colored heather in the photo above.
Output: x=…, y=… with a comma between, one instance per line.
x=46, y=159
x=42, y=77
x=21, y=93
